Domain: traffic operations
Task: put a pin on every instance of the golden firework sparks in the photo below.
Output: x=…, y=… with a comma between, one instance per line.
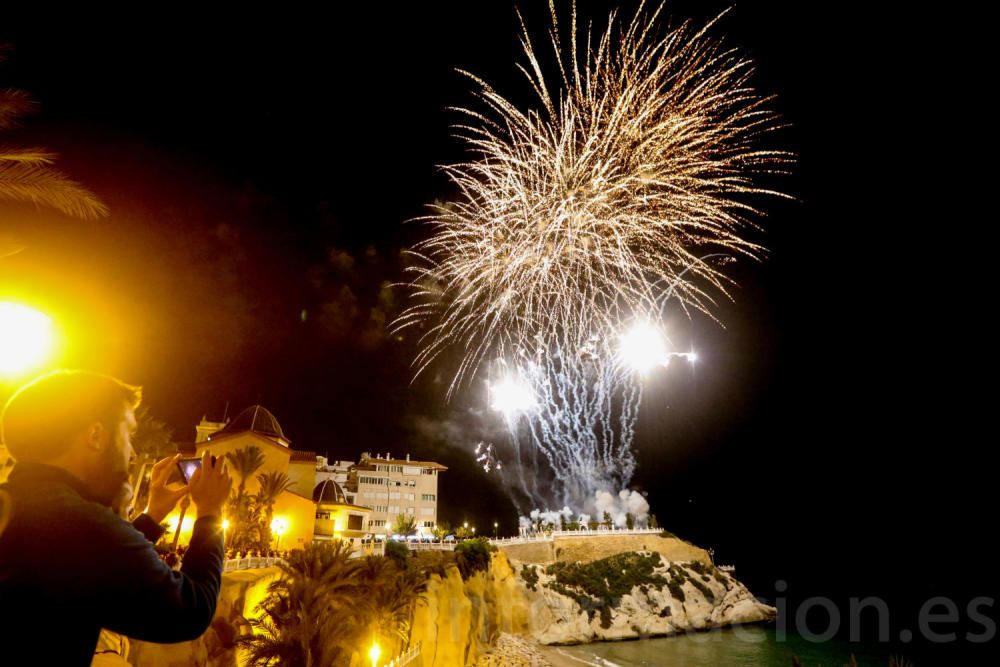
x=585, y=211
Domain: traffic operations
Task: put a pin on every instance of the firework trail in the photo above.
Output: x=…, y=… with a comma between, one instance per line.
x=636, y=170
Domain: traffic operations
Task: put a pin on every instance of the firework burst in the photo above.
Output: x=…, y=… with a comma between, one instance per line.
x=584, y=212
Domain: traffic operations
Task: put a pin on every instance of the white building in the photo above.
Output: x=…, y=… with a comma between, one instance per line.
x=391, y=487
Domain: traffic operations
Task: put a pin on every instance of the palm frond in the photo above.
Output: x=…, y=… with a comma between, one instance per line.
x=13, y=105
x=43, y=186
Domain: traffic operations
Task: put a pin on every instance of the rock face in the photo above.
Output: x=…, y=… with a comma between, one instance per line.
x=649, y=611
x=513, y=651
x=462, y=620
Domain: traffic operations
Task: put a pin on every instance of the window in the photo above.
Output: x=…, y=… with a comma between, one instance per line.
x=354, y=522
x=428, y=497
x=394, y=495
x=428, y=524
x=394, y=509
x=410, y=496
x=376, y=523
x=409, y=510
x=427, y=511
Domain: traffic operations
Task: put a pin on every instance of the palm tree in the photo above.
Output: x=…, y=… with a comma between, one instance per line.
x=272, y=485
x=442, y=530
x=405, y=524
x=393, y=594
x=312, y=613
x=244, y=463
x=26, y=174
x=246, y=529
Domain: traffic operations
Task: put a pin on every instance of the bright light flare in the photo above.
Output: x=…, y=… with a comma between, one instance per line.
x=279, y=525
x=374, y=653
x=511, y=396
x=26, y=338
x=643, y=347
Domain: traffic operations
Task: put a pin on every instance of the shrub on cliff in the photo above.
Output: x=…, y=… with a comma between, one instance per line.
x=530, y=575
x=600, y=585
x=472, y=556
x=398, y=552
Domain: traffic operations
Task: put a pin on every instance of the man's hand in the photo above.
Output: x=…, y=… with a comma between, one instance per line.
x=210, y=486
x=162, y=499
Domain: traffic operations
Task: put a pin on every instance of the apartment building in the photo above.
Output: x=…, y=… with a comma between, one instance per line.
x=391, y=487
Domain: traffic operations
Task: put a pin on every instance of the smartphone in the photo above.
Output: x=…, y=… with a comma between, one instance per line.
x=185, y=469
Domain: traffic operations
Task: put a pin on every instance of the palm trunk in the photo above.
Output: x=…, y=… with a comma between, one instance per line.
x=137, y=482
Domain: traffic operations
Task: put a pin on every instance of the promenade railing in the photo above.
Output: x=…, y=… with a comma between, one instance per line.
x=405, y=658
x=249, y=563
x=548, y=536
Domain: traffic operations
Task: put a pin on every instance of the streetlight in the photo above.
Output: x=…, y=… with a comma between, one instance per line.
x=496, y=528
x=185, y=503
x=225, y=527
x=26, y=338
x=278, y=527
x=373, y=654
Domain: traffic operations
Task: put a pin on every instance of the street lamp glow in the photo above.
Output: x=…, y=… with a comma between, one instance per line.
x=511, y=396
x=643, y=347
x=373, y=654
x=26, y=338
x=278, y=527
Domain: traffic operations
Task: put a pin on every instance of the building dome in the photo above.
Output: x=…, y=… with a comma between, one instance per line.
x=258, y=419
x=328, y=491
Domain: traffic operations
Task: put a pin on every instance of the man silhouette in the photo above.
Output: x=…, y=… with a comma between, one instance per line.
x=68, y=564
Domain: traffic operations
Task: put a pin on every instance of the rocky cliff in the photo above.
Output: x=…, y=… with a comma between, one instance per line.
x=461, y=619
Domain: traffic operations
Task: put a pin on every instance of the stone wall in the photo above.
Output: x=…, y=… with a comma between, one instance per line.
x=595, y=547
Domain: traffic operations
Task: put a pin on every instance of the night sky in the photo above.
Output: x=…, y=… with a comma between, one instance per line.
x=260, y=166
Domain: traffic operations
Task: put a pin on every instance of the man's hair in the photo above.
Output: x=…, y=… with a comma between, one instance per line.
x=43, y=416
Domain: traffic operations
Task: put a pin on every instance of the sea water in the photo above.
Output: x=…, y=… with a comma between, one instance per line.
x=756, y=646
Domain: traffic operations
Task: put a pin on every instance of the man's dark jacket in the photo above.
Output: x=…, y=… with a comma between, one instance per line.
x=70, y=566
